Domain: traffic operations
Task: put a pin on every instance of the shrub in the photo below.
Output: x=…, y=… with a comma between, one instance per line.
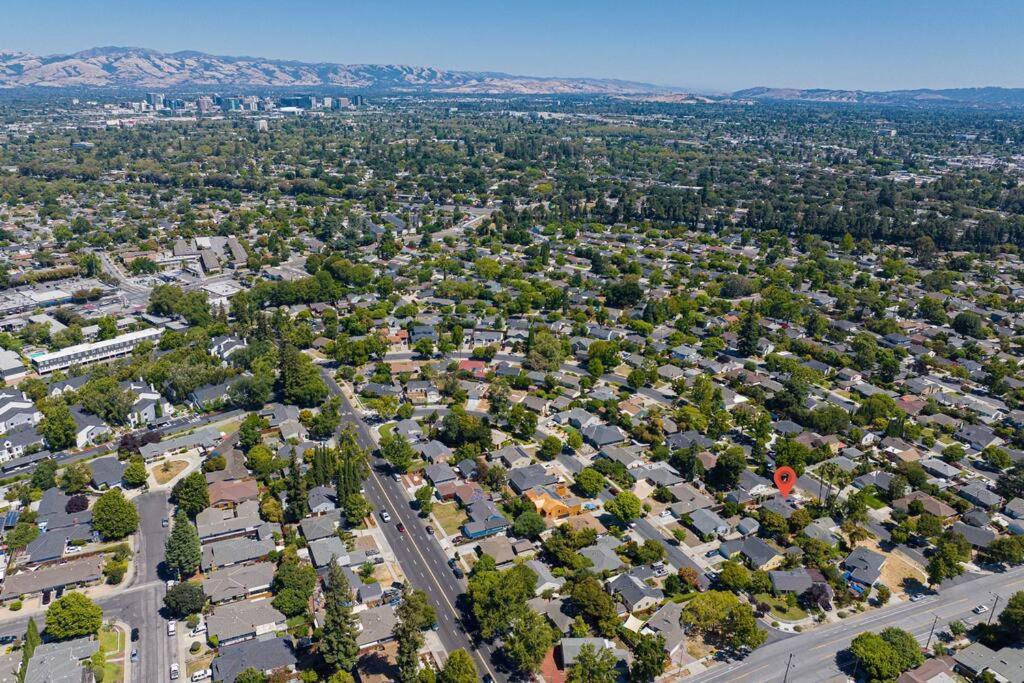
x=195, y=647
x=16, y=605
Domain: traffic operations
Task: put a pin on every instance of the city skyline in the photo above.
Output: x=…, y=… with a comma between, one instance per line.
x=706, y=47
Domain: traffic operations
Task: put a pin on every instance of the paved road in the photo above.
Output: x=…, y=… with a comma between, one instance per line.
x=422, y=559
x=818, y=654
x=139, y=602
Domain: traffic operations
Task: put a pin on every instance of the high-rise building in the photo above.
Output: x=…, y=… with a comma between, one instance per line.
x=262, y=126
x=155, y=100
x=359, y=100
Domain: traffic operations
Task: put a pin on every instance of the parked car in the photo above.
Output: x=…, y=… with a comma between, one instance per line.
x=135, y=655
x=202, y=674
x=172, y=627
x=917, y=597
x=165, y=522
x=458, y=572
x=980, y=609
x=430, y=530
x=174, y=671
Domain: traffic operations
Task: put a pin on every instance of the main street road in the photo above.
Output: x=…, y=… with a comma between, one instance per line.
x=422, y=559
x=818, y=654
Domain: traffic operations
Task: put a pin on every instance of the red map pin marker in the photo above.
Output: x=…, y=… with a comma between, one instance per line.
x=785, y=479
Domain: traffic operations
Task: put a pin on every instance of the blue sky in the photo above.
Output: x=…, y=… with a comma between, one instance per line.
x=711, y=45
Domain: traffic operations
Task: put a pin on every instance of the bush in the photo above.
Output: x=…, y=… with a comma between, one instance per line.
x=75, y=504
x=16, y=605
x=195, y=647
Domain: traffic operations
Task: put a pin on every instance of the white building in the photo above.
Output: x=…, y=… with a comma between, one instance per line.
x=83, y=354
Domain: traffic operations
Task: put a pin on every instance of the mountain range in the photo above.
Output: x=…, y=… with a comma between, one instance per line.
x=143, y=69
x=139, y=68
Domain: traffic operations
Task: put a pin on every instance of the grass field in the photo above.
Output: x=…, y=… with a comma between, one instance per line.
x=450, y=517
x=112, y=644
x=780, y=609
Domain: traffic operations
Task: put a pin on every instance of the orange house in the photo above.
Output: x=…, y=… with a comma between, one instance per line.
x=554, y=502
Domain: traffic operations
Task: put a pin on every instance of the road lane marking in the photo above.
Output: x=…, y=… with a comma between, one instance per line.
x=377, y=480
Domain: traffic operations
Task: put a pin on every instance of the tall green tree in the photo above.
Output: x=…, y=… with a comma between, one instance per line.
x=593, y=665
x=338, y=644
x=182, y=551
x=191, y=494
x=459, y=668
x=73, y=615
x=114, y=517
x=298, y=502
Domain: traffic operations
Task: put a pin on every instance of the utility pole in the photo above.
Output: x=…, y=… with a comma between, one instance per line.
x=785, y=679
x=930, y=632
x=993, y=612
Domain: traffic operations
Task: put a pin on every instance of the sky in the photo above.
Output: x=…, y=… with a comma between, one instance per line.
x=712, y=46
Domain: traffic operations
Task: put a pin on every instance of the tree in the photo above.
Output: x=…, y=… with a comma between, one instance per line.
x=734, y=577
x=529, y=524
x=970, y=324
x=750, y=334
x=114, y=517
x=550, y=448
x=416, y=610
x=625, y=507
x=298, y=502
x=589, y=482
x=425, y=499
x=528, y=641
x=251, y=674
x=183, y=552
x=293, y=584
x=135, y=473
x=191, y=494
x=301, y=383
x=356, y=508
x=648, y=658
x=58, y=427
x=338, y=644
x=544, y=351
x=44, y=476
x=1007, y=550
x=250, y=431
x=459, y=668
x=497, y=597
x=593, y=666
x=1011, y=619
x=396, y=449
x=741, y=630
x=76, y=477
x=185, y=598
x=71, y=616
x=727, y=469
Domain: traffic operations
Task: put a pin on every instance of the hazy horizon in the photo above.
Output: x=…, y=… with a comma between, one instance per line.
x=713, y=47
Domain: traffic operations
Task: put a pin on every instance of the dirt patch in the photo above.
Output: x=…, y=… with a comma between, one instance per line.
x=899, y=573
x=201, y=662
x=697, y=648
x=365, y=542
x=167, y=470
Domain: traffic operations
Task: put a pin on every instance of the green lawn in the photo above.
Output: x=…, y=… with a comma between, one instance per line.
x=450, y=517
x=111, y=641
x=780, y=609
x=872, y=499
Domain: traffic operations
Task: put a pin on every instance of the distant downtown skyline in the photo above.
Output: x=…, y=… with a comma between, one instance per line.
x=702, y=45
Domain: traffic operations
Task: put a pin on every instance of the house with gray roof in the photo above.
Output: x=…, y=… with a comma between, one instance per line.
x=240, y=581
x=244, y=620
x=265, y=654
x=60, y=661
x=864, y=567
x=708, y=524
x=235, y=551
x=634, y=593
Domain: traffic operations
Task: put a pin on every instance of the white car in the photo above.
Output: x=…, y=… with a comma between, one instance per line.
x=202, y=674
x=171, y=583
x=981, y=609
x=174, y=671
x=198, y=630
x=172, y=627
x=385, y=517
